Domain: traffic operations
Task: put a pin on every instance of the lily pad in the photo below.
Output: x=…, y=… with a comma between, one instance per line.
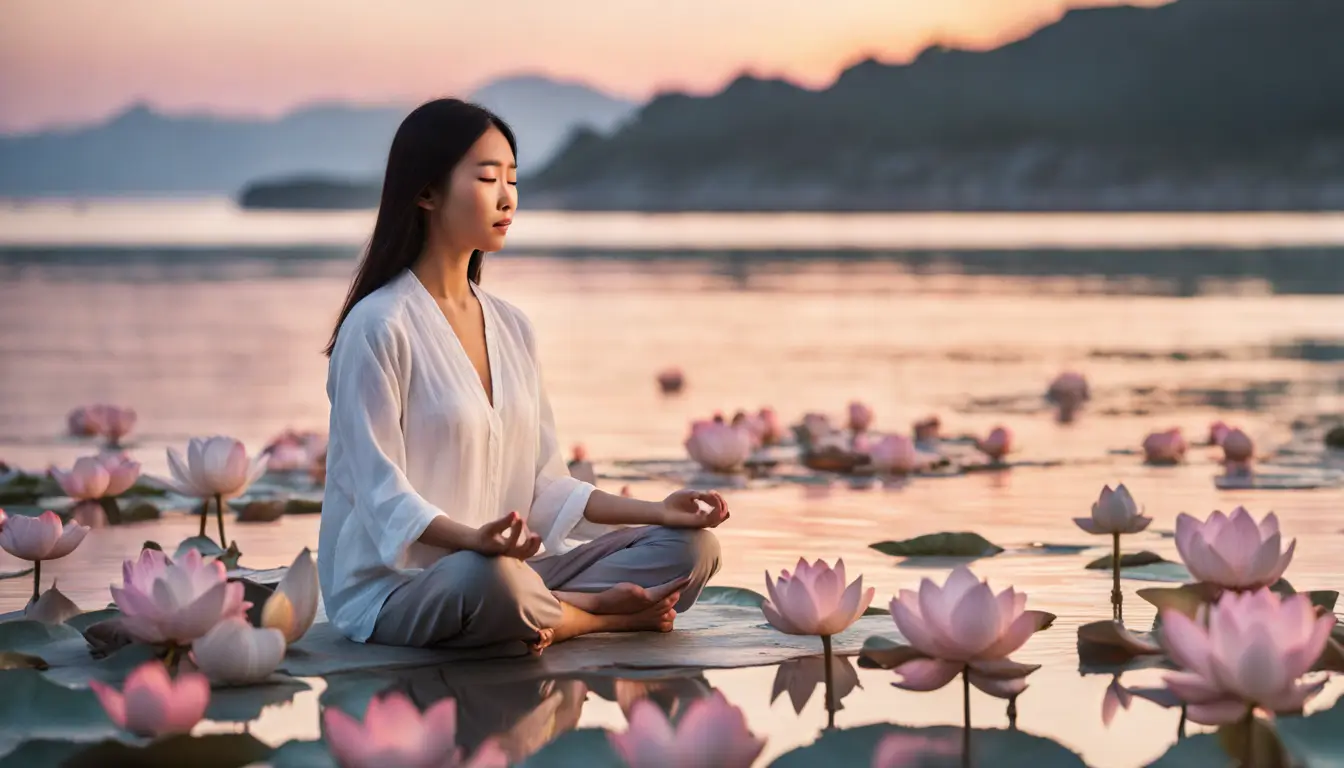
x=34, y=707
x=112, y=670
x=16, y=660
x=1105, y=647
x=939, y=746
x=303, y=507
x=885, y=653
x=963, y=544
x=242, y=704
x=730, y=596
x=203, y=544
x=87, y=619
x=1129, y=560
x=1040, y=548
x=300, y=754
x=1314, y=739
x=1172, y=573
x=42, y=752
x=216, y=750
x=589, y=747
x=58, y=644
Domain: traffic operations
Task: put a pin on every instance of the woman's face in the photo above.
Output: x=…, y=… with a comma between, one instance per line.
x=481, y=196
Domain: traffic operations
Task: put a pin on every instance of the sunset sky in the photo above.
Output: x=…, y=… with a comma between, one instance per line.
x=78, y=61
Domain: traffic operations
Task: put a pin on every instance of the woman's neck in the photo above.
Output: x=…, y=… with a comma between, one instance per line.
x=443, y=272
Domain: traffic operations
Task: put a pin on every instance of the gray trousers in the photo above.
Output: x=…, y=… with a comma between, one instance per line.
x=467, y=600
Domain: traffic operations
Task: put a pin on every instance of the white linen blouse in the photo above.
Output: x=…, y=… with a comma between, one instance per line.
x=413, y=436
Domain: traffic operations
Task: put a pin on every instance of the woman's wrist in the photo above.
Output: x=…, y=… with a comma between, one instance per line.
x=608, y=509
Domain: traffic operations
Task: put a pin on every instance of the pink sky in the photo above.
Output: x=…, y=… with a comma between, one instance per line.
x=77, y=61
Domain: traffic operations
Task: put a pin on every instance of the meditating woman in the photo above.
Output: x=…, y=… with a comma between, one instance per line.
x=450, y=518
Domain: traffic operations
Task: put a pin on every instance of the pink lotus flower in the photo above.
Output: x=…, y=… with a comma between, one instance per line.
x=1068, y=392
x=712, y=732
x=902, y=750
x=166, y=602
x=817, y=426
x=152, y=704
x=671, y=380
x=215, y=466
x=1217, y=431
x=109, y=421
x=94, y=477
x=1117, y=697
x=997, y=444
x=752, y=425
x=1252, y=653
x=860, y=417
x=579, y=452
x=293, y=451
x=236, y=653
x=814, y=600
x=1233, y=551
x=964, y=626
x=1164, y=447
x=896, y=454
x=78, y=423
x=719, y=447
x=926, y=430
x=1114, y=512
x=40, y=538
x=395, y=734
x=1237, y=447
x=771, y=430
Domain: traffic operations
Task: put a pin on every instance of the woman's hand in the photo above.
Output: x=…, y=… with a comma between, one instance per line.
x=507, y=537
x=682, y=509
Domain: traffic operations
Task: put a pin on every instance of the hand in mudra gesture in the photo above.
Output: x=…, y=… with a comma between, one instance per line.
x=683, y=509
x=508, y=536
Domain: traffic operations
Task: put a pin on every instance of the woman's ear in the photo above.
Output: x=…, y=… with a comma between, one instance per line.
x=428, y=199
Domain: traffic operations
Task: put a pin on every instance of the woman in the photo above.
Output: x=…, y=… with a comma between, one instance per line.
x=450, y=519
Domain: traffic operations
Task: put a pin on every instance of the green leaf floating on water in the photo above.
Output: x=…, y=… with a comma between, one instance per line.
x=1315, y=739
x=300, y=754
x=731, y=596
x=939, y=746
x=963, y=544
x=203, y=544
x=749, y=599
x=1128, y=560
x=15, y=574
x=216, y=750
x=588, y=747
x=241, y=704
x=35, y=708
x=87, y=619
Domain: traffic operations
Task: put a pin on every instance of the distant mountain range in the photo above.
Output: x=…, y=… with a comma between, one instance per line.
x=143, y=152
x=1200, y=104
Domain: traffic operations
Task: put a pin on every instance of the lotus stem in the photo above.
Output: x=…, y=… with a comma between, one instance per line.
x=111, y=509
x=966, y=717
x=37, y=578
x=830, y=684
x=224, y=543
x=1180, y=727
x=1012, y=713
x=170, y=660
x=1117, y=598
x=205, y=514
x=1249, y=752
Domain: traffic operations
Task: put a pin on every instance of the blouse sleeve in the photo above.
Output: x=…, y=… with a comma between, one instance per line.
x=367, y=408
x=558, y=499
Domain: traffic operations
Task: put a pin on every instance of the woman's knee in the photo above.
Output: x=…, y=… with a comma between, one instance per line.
x=496, y=580
x=696, y=549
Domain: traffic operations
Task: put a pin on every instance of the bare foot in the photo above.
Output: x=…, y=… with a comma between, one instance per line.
x=655, y=618
x=547, y=636
x=622, y=599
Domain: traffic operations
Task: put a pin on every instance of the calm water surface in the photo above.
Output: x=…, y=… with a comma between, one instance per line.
x=232, y=345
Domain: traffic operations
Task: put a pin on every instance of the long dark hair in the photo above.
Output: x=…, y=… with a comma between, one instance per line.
x=431, y=141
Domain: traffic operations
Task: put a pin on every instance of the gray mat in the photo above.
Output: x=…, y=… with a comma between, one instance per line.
x=710, y=636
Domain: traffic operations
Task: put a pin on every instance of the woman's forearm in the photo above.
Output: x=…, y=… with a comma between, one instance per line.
x=608, y=509
x=447, y=534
